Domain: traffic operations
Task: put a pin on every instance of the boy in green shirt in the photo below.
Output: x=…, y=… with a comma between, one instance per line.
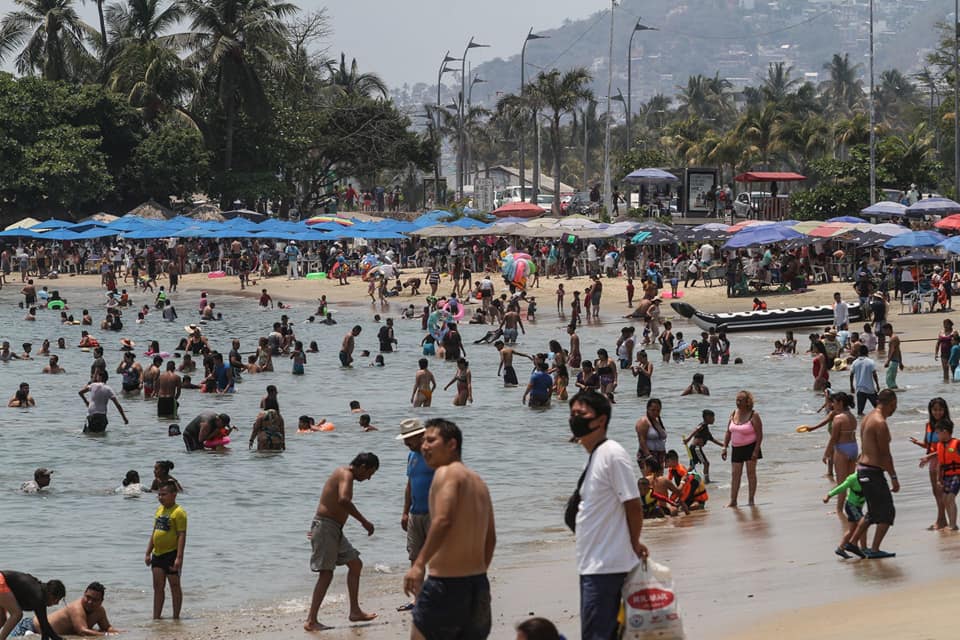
x=853, y=508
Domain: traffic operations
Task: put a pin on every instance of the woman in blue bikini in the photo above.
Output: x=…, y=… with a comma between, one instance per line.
x=842, y=447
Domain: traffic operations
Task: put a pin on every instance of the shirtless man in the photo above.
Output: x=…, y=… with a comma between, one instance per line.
x=506, y=363
x=894, y=361
x=875, y=459
x=169, y=386
x=454, y=600
x=573, y=359
x=54, y=366
x=29, y=294
x=510, y=323
x=151, y=376
x=329, y=546
x=349, y=342
x=81, y=616
x=423, y=385
x=21, y=592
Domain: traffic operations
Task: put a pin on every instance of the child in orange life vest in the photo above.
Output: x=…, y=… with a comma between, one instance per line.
x=665, y=491
x=692, y=492
x=759, y=305
x=948, y=455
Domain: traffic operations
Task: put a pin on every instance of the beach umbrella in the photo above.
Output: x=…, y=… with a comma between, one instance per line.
x=19, y=232
x=60, y=234
x=932, y=207
x=889, y=229
x=95, y=232
x=951, y=245
x=50, y=224
x=831, y=229
x=329, y=220
x=885, y=209
x=914, y=240
x=654, y=237
x=761, y=235
x=919, y=255
x=807, y=226
x=244, y=214
x=26, y=223
x=468, y=223
x=852, y=219
x=650, y=176
x=740, y=226
x=950, y=223
x=519, y=210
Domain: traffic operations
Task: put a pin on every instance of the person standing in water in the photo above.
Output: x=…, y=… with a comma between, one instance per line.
x=100, y=395
x=165, y=549
x=424, y=385
x=875, y=460
x=745, y=433
x=330, y=547
x=453, y=601
x=894, y=361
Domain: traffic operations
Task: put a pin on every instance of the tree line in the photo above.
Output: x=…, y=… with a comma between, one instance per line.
x=160, y=99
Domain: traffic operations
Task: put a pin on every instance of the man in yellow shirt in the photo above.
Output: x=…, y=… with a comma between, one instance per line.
x=165, y=549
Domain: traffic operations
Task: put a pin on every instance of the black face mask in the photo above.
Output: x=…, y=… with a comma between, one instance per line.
x=580, y=426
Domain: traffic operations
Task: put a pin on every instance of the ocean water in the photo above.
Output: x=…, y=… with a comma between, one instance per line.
x=249, y=512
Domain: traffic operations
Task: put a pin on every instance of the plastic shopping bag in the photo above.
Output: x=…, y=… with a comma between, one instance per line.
x=650, y=604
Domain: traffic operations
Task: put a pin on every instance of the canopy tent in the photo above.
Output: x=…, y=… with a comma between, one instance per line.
x=769, y=176
x=650, y=176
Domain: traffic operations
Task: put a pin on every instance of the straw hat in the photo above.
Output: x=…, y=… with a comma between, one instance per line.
x=839, y=364
x=409, y=428
x=191, y=328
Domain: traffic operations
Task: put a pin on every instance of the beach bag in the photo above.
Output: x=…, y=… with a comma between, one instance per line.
x=650, y=604
x=573, y=502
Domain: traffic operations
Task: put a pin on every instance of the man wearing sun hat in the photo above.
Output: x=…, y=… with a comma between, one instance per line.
x=416, y=498
x=293, y=253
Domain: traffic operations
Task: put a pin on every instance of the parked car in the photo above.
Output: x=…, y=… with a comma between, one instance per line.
x=580, y=203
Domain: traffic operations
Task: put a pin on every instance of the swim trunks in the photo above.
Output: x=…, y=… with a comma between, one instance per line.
x=454, y=608
x=165, y=561
x=166, y=407
x=96, y=423
x=298, y=369
x=329, y=547
x=538, y=401
x=951, y=484
x=880, y=509
x=509, y=376
x=344, y=359
x=510, y=335
x=24, y=627
x=745, y=453
x=854, y=514
x=418, y=524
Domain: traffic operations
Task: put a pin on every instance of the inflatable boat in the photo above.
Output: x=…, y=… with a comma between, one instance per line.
x=821, y=316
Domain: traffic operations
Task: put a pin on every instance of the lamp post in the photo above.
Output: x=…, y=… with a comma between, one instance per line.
x=463, y=95
x=607, y=195
x=873, y=124
x=437, y=168
x=637, y=27
x=469, y=157
x=523, y=86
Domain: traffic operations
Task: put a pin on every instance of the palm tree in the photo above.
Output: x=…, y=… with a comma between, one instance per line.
x=843, y=90
x=895, y=95
x=778, y=83
x=928, y=79
x=51, y=34
x=561, y=94
x=759, y=129
x=912, y=152
x=706, y=98
x=349, y=80
x=234, y=41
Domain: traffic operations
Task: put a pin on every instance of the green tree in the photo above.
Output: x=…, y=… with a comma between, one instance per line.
x=561, y=94
x=171, y=160
x=778, y=84
x=235, y=42
x=842, y=90
x=348, y=79
x=51, y=36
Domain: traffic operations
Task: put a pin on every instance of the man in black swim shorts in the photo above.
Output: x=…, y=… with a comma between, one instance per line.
x=454, y=600
x=875, y=460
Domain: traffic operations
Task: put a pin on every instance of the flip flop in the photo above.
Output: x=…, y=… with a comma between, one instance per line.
x=855, y=550
x=405, y=607
x=843, y=554
x=878, y=555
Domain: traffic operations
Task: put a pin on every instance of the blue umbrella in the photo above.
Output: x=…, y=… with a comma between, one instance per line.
x=915, y=239
x=468, y=223
x=761, y=234
x=431, y=218
x=96, y=232
x=951, y=244
x=650, y=176
x=52, y=223
x=885, y=209
x=19, y=233
x=60, y=234
x=932, y=206
x=852, y=219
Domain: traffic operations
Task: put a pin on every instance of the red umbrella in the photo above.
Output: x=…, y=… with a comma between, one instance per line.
x=950, y=222
x=519, y=210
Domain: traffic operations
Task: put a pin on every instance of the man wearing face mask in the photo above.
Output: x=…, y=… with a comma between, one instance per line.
x=609, y=518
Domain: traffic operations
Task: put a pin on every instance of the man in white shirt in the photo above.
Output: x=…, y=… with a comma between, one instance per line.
x=593, y=261
x=609, y=518
x=864, y=382
x=841, y=313
x=706, y=255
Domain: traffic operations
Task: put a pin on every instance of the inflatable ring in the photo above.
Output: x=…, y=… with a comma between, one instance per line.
x=217, y=274
x=213, y=443
x=56, y=304
x=437, y=324
x=317, y=275
x=327, y=426
x=162, y=354
x=460, y=310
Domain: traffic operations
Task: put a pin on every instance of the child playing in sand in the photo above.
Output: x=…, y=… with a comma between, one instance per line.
x=853, y=508
x=948, y=455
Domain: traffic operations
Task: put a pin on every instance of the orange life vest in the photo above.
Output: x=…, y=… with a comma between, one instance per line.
x=948, y=453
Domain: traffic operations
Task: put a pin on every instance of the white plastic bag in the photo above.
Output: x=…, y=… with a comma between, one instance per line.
x=650, y=604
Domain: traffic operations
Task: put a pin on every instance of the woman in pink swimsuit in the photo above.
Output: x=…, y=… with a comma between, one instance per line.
x=745, y=433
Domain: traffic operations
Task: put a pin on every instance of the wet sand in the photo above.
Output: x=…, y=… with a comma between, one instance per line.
x=741, y=573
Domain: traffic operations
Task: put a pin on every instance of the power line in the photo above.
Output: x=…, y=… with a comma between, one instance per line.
x=700, y=36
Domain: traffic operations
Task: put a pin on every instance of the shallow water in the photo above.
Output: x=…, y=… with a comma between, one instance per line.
x=249, y=512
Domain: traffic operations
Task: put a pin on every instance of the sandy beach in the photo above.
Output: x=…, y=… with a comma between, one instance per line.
x=787, y=581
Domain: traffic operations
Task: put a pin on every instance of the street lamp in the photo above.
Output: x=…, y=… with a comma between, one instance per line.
x=437, y=168
x=523, y=85
x=607, y=195
x=873, y=123
x=476, y=80
x=637, y=27
x=463, y=94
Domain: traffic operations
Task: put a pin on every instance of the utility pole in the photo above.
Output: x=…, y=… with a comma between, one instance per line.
x=873, y=120
x=607, y=195
x=637, y=27
x=523, y=87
